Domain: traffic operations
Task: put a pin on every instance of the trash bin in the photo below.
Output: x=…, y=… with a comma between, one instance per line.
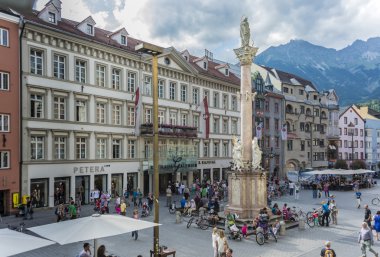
x=178, y=217
x=301, y=225
x=282, y=228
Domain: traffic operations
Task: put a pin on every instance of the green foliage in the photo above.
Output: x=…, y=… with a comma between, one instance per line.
x=358, y=164
x=341, y=164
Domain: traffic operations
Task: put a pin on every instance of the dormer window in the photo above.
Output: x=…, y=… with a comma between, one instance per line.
x=186, y=58
x=123, y=40
x=226, y=72
x=51, y=17
x=205, y=65
x=90, y=29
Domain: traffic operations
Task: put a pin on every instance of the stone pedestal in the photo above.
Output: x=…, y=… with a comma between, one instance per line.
x=247, y=193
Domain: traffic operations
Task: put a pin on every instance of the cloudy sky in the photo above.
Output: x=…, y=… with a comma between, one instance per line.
x=214, y=24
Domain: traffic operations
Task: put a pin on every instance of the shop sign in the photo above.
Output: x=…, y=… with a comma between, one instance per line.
x=176, y=158
x=89, y=169
x=207, y=162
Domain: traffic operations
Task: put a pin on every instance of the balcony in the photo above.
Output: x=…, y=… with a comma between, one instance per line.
x=170, y=130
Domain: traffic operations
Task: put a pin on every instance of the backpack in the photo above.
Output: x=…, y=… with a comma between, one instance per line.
x=329, y=253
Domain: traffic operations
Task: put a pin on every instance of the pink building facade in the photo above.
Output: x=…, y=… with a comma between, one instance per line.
x=351, y=130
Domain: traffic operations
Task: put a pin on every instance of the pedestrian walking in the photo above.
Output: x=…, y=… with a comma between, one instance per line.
x=134, y=197
x=168, y=197
x=358, y=196
x=72, y=211
x=135, y=216
x=177, y=187
x=334, y=211
x=326, y=189
x=376, y=224
x=123, y=208
x=327, y=251
x=214, y=239
x=60, y=212
x=150, y=201
x=314, y=187
x=326, y=213
x=86, y=252
x=367, y=215
x=222, y=244
x=291, y=188
x=366, y=240
x=296, y=191
x=28, y=209
x=140, y=196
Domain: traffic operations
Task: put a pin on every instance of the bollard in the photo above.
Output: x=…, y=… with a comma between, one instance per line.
x=301, y=225
x=178, y=217
x=282, y=228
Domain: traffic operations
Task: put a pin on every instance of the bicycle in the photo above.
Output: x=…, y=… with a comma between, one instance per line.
x=200, y=221
x=298, y=214
x=19, y=228
x=376, y=201
x=315, y=218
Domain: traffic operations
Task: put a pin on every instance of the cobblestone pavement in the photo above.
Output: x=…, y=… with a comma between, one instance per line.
x=196, y=242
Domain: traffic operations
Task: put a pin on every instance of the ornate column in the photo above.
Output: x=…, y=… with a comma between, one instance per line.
x=247, y=181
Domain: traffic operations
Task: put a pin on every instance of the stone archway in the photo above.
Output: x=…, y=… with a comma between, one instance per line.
x=292, y=165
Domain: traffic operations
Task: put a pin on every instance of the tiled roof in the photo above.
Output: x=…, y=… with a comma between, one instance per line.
x=102, y=36
x=287, y=77
x=211, y=71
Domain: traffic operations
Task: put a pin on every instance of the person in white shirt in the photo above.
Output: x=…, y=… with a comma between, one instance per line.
x=296, y=191
x=86, y=252
x=291, y=187
x=214, y=238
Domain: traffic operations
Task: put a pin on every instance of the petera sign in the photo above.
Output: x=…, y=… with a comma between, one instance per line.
x=176, y=158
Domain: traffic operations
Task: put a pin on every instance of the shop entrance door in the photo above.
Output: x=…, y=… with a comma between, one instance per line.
x=3, y=201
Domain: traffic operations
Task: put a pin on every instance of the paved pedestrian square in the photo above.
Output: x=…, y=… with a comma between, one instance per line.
x=197, y=242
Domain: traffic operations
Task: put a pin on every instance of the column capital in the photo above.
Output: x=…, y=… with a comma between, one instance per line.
x=246, y=54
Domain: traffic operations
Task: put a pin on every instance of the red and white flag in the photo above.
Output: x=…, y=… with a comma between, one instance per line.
x=138, y=109
x=205, y=119
x=284, y=132
x=259, y=130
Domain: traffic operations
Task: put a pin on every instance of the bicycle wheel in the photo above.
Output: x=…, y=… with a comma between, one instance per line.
x=203, y=224
x=260, y=239
x=310, y=221
x=189, y=223
x=272, y=234
x=375, y=201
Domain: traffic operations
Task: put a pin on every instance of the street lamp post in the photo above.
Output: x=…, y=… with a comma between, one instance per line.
x=351, y=129
x=154, y=51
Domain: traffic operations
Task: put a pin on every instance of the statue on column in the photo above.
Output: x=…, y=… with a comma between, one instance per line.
x=256, y=154
x=237, y=154
x=245, y=33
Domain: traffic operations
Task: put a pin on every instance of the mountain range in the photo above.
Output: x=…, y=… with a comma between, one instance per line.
x=354, y=71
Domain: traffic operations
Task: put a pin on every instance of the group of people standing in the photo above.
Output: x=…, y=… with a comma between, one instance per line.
x=220, y=244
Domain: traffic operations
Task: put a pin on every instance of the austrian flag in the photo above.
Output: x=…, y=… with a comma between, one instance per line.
x=205, y=119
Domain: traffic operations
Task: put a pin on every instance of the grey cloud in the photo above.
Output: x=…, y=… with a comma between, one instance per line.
x=107, y=6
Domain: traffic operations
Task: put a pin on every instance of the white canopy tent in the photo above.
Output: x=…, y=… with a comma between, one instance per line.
x=13, y=242
x=90, y=228
x=338, y=172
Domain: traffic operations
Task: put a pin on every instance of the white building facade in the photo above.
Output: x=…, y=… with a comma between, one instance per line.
x=78, y=110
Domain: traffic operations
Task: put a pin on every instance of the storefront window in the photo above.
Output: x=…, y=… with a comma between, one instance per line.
x=116, y=184
x=225, y=174
x=206, y=175
x=101, y=182
x=39, y=192
x=62, y=190
x=216, y=174
x=132, y=181
x=82, y=188
x=197, y=176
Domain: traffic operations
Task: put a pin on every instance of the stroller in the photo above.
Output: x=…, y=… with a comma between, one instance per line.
x=145, y=210
x=234, y=232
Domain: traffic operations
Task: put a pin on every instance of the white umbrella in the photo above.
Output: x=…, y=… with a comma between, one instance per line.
x=13, y=242
x=90, y=228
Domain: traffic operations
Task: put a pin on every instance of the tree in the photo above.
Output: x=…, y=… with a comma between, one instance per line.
x=358, y=164
x=341, y=164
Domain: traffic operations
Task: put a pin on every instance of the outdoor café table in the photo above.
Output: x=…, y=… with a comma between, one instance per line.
x=164, y=253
